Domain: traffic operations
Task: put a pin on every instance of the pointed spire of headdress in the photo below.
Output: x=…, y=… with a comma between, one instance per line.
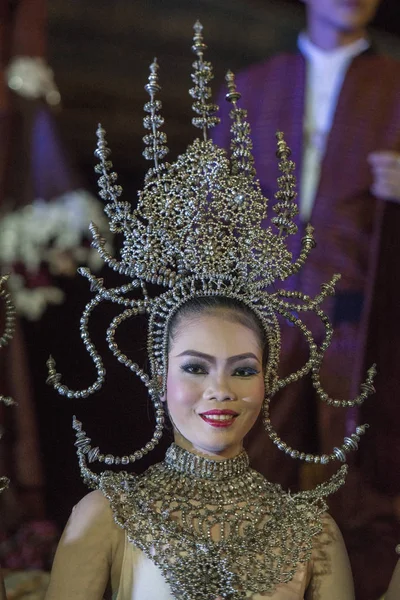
x=155, y=140
x=286, y=207
x=109, y=191
x=241, y=144
x=202, y=92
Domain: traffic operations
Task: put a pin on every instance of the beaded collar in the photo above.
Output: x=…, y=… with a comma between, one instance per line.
x=205, y=468
x=217, y=528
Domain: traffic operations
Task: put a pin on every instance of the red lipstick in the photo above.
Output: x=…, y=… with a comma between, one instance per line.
x=219, y=418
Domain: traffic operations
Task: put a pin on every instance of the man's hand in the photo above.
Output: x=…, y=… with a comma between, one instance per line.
x=385, y=167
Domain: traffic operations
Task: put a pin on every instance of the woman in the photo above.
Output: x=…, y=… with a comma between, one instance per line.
x=201, y=524
x=215, y=391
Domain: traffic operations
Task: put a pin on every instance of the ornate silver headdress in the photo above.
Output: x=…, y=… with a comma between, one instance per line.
x=197, y=231
x=5, y=337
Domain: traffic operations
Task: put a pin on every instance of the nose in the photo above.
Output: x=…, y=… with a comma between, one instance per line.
x=219, y=389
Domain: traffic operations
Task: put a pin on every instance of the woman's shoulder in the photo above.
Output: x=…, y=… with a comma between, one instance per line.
x=330, y=528
x=328, y=540
x=89, y=554
x=94, y=505
x=330, y=565
x=93, y=515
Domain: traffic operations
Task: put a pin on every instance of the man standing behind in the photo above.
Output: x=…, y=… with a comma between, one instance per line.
x=338, y=102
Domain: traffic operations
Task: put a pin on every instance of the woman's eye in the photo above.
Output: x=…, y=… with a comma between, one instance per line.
x=194, y=369
x=245, y=371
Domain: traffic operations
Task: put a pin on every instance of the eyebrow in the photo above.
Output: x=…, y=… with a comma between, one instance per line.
x=210, y=358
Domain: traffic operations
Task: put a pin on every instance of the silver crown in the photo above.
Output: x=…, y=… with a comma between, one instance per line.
x=198, y=230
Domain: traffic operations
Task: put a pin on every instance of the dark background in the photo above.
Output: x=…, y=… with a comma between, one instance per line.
x=100, y=51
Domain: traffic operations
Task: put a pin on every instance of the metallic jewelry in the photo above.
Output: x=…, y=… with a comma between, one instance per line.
x=198, y=230
x=217, y=528
x=5, y=337
x=9, y=325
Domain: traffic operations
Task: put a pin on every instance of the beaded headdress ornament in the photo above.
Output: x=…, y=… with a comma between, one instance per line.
x=5, y=337
x=196, y=232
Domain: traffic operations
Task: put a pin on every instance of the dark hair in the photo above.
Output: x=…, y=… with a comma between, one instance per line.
x=239, y=311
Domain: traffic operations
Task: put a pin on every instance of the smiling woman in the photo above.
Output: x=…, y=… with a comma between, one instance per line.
x=201, y=524
x=215, y=390
x=215, y=382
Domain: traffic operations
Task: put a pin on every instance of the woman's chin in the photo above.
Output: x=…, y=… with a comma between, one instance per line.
x=223, y=448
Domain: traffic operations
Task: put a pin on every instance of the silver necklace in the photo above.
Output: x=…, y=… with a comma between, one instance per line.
x=216, y=528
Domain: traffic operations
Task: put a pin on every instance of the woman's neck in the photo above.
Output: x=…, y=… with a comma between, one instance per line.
x=224, y=454
x=205, y=467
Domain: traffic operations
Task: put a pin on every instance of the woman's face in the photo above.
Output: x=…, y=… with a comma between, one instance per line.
x=215, y=383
